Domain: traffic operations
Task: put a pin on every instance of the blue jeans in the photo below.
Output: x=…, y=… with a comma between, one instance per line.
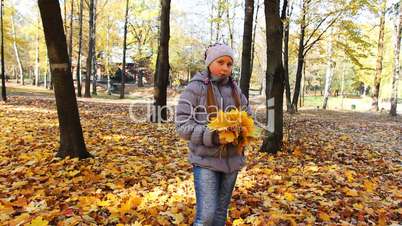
x=213, y=191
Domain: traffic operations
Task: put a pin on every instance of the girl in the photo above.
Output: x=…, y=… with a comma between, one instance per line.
x=215, y=169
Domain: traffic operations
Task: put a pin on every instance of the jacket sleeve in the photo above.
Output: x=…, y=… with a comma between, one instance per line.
x=186, y=125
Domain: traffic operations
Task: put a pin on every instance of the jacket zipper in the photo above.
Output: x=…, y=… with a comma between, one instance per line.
x=223, y=105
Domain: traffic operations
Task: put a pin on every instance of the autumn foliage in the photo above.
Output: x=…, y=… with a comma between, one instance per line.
x=337, y=169
x=234, y=127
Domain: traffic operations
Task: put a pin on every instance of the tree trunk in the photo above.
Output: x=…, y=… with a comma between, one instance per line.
x=17, y=55
x=396, y=67
x=15, y=76
x=45, y=78
x=123, y=77
x=78, y=73
x=212, y=21
x=3, y=76
x=94, y=67
x=286, y=11
x=70, y=46
x=71, y=137
x=218, y=23
x=246, y=53
x=91, y=44
x=140, y=78
x=37, y=53
x=300, y=58
x=31, y=75
x=380, y=53
x=303, y=87
x=230, y=27
x=330, y=71
x=343, y=83
x=109, y=85
x=254, y=33
x=274, y=78
x=162, y=68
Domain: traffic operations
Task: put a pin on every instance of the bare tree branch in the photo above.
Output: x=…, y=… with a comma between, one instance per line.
x=315, y=30
x=308, y=47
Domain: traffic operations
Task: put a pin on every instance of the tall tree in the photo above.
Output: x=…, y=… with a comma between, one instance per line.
x=254, y=33
x=218, y=20
x=380, y=54
x=70, y=45
x=109, y=85
x=78, y=73
x=123, y=77
x=93, y=35
x=274, y=78
x=3, y=76
x=71, y=137
x=229, y=21
x=300, y=55
x=307, y=42
x=162, y=65
x=396, y=67
x=37, y=51
x=330, y=70
x=91, y=46
x=211, y=16
x=246, y=53
x=285, y=16
x=16, y=52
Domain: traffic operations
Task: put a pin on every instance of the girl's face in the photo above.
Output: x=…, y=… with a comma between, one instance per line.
x=221, y=66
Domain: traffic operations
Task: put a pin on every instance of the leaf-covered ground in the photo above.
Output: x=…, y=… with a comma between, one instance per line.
x=338, y=169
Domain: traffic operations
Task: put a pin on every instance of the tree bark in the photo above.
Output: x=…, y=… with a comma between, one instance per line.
x=123, y=77
x=91, y=44
x=17, y=55
x=246, y=53
x=330, y=71
x=300, y=57
x=272, y=143
x=286, y=11
x=380, y=53
x=396, y=67
x=162, y=68
x=71, y=137
x=78, y=73
x=94, y=67
x=3, y=76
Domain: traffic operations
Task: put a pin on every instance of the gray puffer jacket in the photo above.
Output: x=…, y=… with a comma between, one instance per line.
x=191, y=123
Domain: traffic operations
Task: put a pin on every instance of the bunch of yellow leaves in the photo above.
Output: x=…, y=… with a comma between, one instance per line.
x=234, y=127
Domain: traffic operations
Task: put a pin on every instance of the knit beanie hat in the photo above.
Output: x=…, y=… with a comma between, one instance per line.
x=217, y=50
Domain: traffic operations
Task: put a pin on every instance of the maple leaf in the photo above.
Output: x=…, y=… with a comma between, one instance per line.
x=324, y=216
x=38, y=221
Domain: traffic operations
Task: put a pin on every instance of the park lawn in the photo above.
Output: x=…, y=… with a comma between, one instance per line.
x=340, y=167
x=361, y=104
